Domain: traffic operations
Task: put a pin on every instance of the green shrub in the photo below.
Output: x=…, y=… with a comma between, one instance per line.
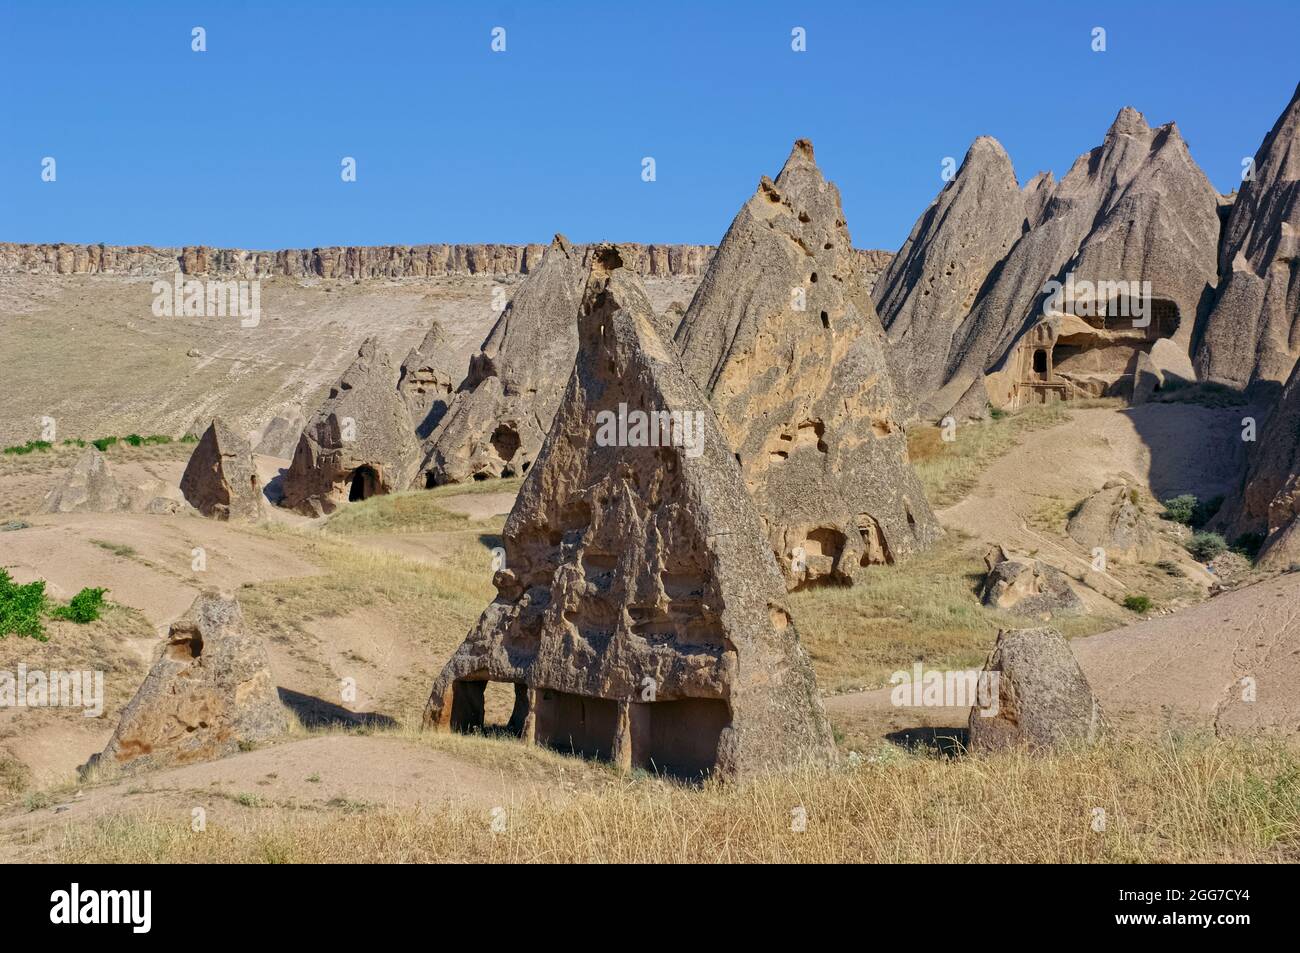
x=21, y=607
x=190, y=438
x=1137, y=603
x=1181, y=509
x=103, y=443
x=74, y=442
x=26, y=448
x=84, y=606
x=1205, y=546
x=1190, y=511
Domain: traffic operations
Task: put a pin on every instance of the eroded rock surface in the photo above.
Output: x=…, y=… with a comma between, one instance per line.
x=88, y=486
x=783, y=338
x=1043, y=699
x=639, y=613
x=210, y=690
x=1026, y=586
x=499, y=416
x=221, y=480
x=359, y=443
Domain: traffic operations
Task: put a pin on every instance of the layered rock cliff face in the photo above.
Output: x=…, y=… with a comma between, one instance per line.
x=1253, y=333
x=375, y=261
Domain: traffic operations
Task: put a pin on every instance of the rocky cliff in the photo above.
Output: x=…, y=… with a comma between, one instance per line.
x=370, y=261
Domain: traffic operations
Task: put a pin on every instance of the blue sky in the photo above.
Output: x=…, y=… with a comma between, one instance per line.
x=241, y=145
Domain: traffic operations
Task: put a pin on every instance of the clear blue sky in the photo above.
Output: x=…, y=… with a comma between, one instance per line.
x=241, y=145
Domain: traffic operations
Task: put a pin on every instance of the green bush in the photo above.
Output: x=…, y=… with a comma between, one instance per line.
x=103, y=443
x=1205, y=546
x=1190, y=511
x=21, y=607
x=74, y=442
x=1181, y=509
x=84, y=606
x=1137, y=603
x=28, y=447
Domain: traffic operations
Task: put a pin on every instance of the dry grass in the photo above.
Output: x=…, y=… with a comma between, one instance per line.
x=1193, y=800
x=926, y=609
x=950, y=469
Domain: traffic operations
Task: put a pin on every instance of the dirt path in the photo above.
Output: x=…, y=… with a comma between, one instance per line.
x=1183, y=670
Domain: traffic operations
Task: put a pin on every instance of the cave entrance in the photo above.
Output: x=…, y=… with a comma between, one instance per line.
x=480, y=706
x=505, y=441
x=577, y=724
x=678, y=738
x=1040, y=364
x=365, y=484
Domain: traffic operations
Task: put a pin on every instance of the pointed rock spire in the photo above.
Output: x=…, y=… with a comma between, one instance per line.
x=499, y=415
x=1251, y=333
x=87, y=487
x=639, y=611
x=221, y=480
x=934, y=279
x=783, y=337
x=359, y=443
x=425, y=383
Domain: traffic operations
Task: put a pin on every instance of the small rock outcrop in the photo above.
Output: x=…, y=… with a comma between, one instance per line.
x=88, y=486
x=500, y=414
x=1252, y=335
x=783, y=338
x=1113, y=519
x=425, y=383
x=359, y=443
x=210, y=690
x=221, y=479
x=1026, y=586
x=640, y=614
x=1043, y=699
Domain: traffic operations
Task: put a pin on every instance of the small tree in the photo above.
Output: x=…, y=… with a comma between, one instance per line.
x=1206, y=546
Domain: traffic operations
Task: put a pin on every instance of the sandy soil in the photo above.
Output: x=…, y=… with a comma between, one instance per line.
x=323, y=773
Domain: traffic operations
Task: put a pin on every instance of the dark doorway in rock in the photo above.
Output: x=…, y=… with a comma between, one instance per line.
x=577, y=724
x=505, y=442
x=1040, y=364
x=365, y=484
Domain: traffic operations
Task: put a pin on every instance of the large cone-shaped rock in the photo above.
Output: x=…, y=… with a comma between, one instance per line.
x=933, y=281
x=209, y=691
x=1269, y=499
x=1253, y=333
x=1137, y=208
x=500, y=414
x=1043, y=699
x=783, y=337
x=87, y=487
x=425, y=383
x=359, y=443
x=221, y=480
x=639, y=612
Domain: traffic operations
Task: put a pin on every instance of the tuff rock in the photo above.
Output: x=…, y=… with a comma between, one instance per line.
x=639, y=613
x=783, y=337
